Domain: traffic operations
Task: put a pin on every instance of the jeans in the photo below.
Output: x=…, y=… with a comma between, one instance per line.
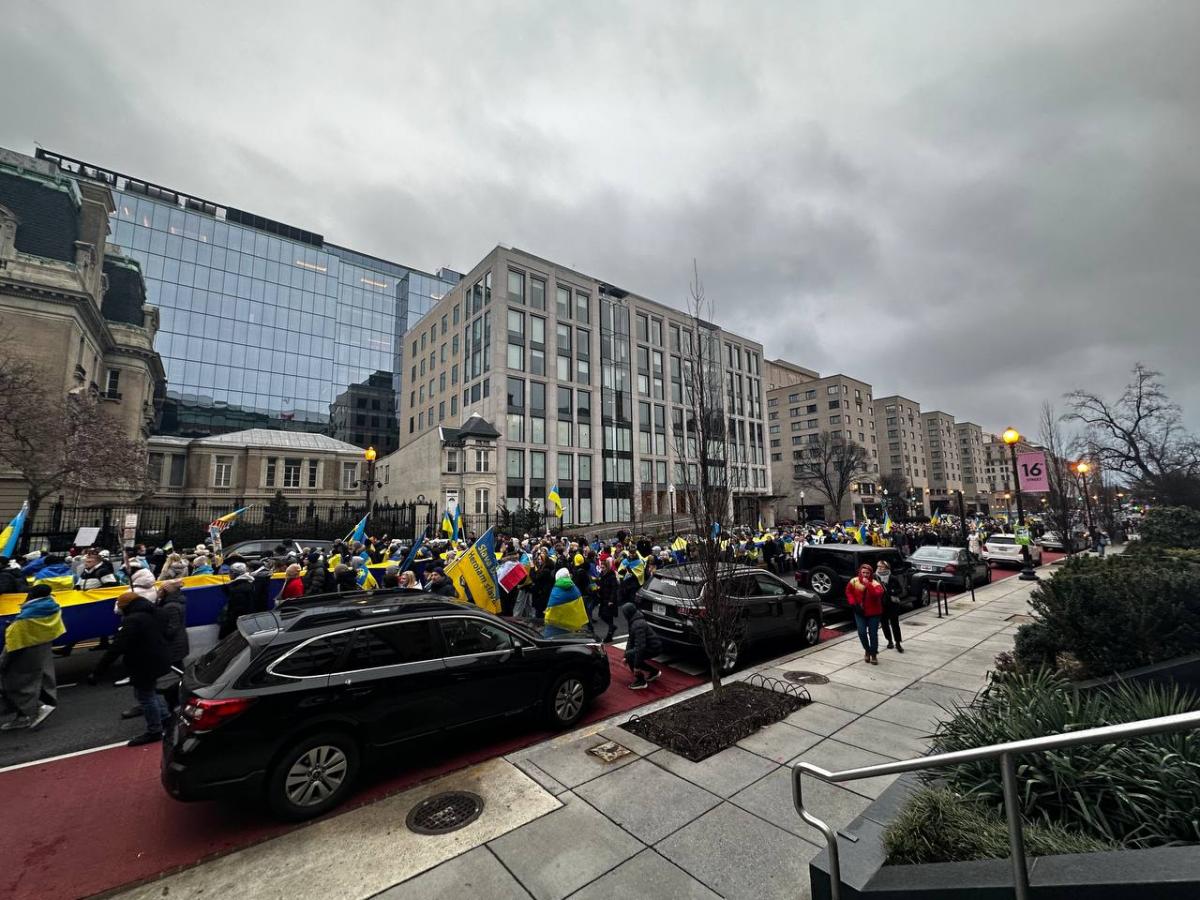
x=154, y=708
x=868, y=632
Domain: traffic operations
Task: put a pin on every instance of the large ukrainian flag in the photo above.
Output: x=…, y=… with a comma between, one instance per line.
x=474, y=574
x=12, y=532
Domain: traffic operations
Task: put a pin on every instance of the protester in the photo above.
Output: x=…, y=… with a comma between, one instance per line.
x=343, y=579
x=27, y=684
x=565, y=611
x=97, y=572
x=891, y=606
x=317, y=579
x=293, y=585
x=610, y=598
x=173, y=604
x=441, y=585
x=240, y=599
x=11, y=579
x=142, y=642
x=865, y=596
x=408, y=580
x=642, y=644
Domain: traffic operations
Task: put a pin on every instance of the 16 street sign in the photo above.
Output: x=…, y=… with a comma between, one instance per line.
x=1031, y=471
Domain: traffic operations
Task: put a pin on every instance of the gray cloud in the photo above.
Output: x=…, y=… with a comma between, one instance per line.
x=979, y=207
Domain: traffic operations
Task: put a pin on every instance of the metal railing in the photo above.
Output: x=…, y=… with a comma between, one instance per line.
x=1006, y=753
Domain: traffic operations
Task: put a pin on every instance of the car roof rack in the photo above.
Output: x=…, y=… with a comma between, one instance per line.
x=318, y=609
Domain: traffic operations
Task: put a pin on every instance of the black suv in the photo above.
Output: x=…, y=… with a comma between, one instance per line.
x=294, y=700
x=826, y=569
x=771, y=608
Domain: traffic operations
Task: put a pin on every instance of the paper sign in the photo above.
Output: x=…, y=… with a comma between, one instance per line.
x=86, y=536
x=1031, y=469
x=129, y=532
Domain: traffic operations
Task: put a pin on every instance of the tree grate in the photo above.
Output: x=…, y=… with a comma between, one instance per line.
x=443, y=813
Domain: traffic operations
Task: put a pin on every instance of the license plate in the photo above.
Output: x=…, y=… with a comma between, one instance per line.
x=659, y=609
x=926, y=568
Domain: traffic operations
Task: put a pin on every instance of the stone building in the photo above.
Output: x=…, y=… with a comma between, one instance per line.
x=902, y=447
x=942, y=460
x=70, y=301
x=974, y=466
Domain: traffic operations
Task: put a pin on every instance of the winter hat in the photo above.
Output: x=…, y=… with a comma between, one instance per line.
x=30, y=557
x=579, y=559
x=125, y=599
x=562, y=573
x=142, y=584
x=238, y=568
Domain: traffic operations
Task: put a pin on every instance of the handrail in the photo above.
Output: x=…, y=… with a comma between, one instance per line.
x=1005, y=753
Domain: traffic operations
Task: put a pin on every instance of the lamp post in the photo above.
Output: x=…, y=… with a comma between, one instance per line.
x=671, y=498
x=1008, y=506
x=803, y=510
x=1082, y=469
x=1011, y=436
x=369, y=456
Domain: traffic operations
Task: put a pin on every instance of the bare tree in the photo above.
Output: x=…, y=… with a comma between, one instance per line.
x=832, y=464
x=1140, y=438
x=896, y=497
x=700, y=453
x=61, y=441
x=1063, y=497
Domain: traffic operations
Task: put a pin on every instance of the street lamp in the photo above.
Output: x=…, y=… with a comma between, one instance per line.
x=1008, y=506
x=369, y=481
x=803, y=510
x=671, y=498
x=1011, y=436
x=1082, y=469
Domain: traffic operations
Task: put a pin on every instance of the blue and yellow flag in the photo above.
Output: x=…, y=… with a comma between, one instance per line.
x=460, y=531
x=220, y=523
x=887, y=523
x=935, y=519
x=447, y=524
x=556, y=500
x=635, y=567
x=714, y=531
x=365, y=579
x=38, y=622
x=12, y=532
x=762, y=528
x=359, y=533
x=473, y=574
x=864, y=534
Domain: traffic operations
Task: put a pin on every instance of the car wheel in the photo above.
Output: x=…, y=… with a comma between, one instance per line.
x=822, y=580
x=313, y=776
x=731, y=655
x=987, y=576
x=810, y=631
x=566, y=700
x=924, y=601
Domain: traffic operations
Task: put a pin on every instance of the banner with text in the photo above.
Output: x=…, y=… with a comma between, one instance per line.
x=1031, y=468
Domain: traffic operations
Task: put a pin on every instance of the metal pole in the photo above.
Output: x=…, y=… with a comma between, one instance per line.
x=1027, y=573
x=1016, y=838
x=962, y=521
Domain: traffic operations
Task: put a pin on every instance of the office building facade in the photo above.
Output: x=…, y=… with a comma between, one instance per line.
x=584, y=382
x=974, y=466
x=902, y=447
x=942, y=460
x=799, y=410
x=264, y=325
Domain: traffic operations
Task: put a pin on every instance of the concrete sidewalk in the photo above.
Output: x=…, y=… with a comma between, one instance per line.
x=726, y=827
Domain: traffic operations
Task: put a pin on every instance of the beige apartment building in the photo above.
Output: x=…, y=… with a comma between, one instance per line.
x=584, y=383
x=974, y=466
x=942, y=461
x=902, y=447
x=802, y=407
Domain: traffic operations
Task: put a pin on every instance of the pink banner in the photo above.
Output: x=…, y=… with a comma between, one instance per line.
x=1031, y=467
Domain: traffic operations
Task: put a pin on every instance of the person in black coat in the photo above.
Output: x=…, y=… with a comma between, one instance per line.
x=643, y=643
x=317, y=579
x=11, y=580
x=543, y=583
x=142, y=641
x=441, y=585
x=610, y=598
x=240, y=592
x=345, y=579
x=891, y=605
x=173, y=606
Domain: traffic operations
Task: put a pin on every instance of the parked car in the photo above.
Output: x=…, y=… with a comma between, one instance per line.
x=770, y=608
x=1051, y=541
x=825, y=569
x=955, y=567
x=260, y=547
x=1003, y=550
x=290, y=704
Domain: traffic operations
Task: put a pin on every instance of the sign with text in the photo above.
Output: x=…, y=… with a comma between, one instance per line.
x=129, y=532
x=1031, y=469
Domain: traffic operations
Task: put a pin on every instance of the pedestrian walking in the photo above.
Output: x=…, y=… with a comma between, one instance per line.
x=317, y=578
x=173, y=604
x=865, y=596
x=565, y=612
x=27, y=684
x=891, y=606
x=610, y=598
x=641, y=645
x=142, y=641
x=240, y=602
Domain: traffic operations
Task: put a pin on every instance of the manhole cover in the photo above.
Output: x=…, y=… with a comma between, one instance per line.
x=806, y=677
x=1020, y=617
x=446, y=812
x=609, y=752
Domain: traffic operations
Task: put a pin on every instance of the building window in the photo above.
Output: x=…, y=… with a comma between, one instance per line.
x=451, y=460
x=482, y=501
x=223, y=471
x=112, y=384
x=516, y=464
x=537, y=293
x=271, y=465
x=482, y=460
x=349, y=475
x=154, y=468
x=291, y=473
x=312, y=473
x=178, y=465
x=516, y=286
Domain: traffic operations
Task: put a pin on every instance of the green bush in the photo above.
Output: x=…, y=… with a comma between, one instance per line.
x=1142, y=792
x=938, y=825
x=1172, y=526
x=1114, y=614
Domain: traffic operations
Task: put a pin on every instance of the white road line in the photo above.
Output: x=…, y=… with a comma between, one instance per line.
x=50, y=759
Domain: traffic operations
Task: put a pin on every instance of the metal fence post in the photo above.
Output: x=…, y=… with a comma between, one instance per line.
x=1016, y=837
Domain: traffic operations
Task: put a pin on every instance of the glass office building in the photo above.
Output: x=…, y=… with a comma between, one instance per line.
x=264, y=324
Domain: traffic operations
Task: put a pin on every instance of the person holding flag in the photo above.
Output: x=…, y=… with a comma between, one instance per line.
x=447, y=524
x=555, y=501
x=27, y=683
x=473, y=574
x=219, y=524
x=565, y=611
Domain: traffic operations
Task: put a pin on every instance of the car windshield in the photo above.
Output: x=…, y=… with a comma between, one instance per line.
x=669, y=587
x=1001, y=539
x=941, y=554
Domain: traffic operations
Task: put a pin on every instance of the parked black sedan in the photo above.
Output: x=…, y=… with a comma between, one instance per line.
x=953, y=566
x=769, y=608
x=291, y=703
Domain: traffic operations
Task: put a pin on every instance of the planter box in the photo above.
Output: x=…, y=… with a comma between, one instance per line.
x=1162, y=873
x=1183, y=671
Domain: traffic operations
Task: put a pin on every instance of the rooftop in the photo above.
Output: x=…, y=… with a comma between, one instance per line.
x=281, y=440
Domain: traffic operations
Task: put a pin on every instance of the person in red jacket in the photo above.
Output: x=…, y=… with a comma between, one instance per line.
x=865, y=596
x=293, y=586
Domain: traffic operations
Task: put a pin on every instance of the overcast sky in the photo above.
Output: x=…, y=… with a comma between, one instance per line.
x=979, y=206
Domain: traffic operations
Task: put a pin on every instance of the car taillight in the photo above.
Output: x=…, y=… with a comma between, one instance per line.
x=986, y=549
x=691, y=612
x=802, y=577
x=950, y=569
x=205, y=715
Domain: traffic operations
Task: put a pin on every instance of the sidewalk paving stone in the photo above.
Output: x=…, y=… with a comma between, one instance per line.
x=845, y=696
x=919, y=716
x=960, y=680
x=477, y=873
x=647, y=873
x=646, y=800
x=553, y=785
x=742, y=857
x=821, y=718
x=978, y=664
x=887, y=738
x=779, y=742
x=771, y=799
x=638, y=745
x=834, y=755
x=874, y=678
x=564, y=850
x=907, y=664
x=723, y=773
x=571, y=765
x=936, y=695
x=814, y=662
